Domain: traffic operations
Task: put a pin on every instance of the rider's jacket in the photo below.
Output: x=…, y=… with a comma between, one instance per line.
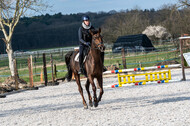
x=84, y=35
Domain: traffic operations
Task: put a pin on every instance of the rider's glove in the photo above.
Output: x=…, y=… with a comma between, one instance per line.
x=88, y=44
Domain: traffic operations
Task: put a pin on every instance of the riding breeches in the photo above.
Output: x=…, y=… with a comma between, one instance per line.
x=82, y=53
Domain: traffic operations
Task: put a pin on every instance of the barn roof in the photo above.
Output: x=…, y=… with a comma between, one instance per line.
x=132, y=41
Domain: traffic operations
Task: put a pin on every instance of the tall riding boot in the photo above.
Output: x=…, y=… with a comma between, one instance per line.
x=102, y=57
x=80, y=64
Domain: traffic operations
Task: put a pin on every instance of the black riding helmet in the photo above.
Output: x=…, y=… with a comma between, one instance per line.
x=85, y=18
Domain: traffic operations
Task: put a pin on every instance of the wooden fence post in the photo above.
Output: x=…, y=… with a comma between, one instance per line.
x=52, y=68
x=140, y=64
x=32, y=85
x=55, y=71
x=35, y=63
x=62, y=55
x=45, y=69
x=37, y=54
x=30, y=68
x=182, y=60
x=123, y=58
x=16, y=74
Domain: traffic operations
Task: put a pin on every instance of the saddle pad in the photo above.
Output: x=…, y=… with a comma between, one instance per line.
x=77, y=58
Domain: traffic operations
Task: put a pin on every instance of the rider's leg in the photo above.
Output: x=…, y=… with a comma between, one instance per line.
x=81, y=49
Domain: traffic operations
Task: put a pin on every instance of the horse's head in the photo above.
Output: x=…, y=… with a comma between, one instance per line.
x=97, y=40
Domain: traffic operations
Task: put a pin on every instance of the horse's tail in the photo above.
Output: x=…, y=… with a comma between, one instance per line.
x=67, y=60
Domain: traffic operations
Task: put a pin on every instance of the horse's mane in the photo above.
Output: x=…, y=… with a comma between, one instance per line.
x=94, y=31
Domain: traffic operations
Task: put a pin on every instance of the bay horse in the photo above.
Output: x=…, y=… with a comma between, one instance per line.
x=93, y=67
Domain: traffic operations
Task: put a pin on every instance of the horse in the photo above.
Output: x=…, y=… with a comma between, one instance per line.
x=93, y=66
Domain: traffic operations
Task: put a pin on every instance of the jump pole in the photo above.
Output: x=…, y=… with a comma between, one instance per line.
x=141, y=83
x=142, y=69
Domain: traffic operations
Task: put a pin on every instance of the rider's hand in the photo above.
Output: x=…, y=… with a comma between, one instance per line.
x=88, y=44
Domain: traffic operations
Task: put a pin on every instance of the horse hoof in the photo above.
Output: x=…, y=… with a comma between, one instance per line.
x=95, y=104
x=85, y=107
x=91, y=104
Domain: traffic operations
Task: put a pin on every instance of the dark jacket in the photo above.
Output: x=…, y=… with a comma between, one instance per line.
x=84, y=35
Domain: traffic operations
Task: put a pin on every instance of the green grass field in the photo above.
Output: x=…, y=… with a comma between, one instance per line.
x=149, y=59
x=24, y=73
x=132, y=59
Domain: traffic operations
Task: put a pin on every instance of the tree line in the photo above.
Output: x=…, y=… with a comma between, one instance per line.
x=135, y=21
x=49, y=31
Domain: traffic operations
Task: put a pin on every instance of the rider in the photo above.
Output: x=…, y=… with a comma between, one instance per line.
x=85, y=39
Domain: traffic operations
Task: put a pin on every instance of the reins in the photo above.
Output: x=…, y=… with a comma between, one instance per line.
x=89, y=48
x=96, y=46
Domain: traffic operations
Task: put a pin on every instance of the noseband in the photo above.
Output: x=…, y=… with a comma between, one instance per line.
x=99, y=46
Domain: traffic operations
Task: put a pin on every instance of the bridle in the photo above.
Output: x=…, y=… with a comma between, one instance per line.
x=100, y=46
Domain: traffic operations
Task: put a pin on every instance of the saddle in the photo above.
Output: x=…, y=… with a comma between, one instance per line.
x=77, y=58
x=85, y=53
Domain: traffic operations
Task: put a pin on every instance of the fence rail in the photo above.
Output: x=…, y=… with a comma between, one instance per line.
x=133, y=59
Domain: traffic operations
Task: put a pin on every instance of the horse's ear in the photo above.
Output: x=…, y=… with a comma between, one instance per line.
x=91, y=32
x=99, y=30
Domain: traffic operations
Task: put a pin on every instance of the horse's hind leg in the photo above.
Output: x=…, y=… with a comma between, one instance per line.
x=100, y=83
x=91, y=79
x=87, y=89
x=98, y=86
x=77, y=77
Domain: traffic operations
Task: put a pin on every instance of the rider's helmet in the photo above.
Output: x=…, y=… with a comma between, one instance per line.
x=85, y=18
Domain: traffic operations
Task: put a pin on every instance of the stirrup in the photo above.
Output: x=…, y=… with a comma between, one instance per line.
x=80, y=71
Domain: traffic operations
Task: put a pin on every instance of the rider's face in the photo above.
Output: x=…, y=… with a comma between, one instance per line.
x=87, y=22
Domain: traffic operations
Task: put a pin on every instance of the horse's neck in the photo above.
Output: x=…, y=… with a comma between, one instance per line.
x=95, y=53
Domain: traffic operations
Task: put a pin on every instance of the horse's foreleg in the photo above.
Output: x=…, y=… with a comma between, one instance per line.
x=100, y=83
x=77, y=77
x=87, y=89
x=91, y=79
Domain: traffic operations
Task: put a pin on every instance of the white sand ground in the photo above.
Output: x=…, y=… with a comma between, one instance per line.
x=149, y=105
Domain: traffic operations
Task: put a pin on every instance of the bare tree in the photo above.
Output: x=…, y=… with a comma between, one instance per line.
x=10, y=13
x=185, y=2
x=133, y=22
